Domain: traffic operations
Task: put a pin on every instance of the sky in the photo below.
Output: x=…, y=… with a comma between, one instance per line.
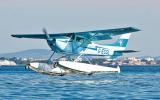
x=30, y=16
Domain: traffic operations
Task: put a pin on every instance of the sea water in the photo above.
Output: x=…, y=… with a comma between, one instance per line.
x=134, y=82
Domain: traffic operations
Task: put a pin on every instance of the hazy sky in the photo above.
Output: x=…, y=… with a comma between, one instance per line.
x=30, y=16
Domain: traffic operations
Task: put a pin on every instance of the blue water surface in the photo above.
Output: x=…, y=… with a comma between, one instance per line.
x=134, y=82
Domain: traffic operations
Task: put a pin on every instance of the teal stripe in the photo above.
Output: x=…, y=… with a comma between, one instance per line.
x=120, y=43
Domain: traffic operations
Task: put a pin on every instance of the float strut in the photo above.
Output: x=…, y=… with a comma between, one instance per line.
x=51, y=57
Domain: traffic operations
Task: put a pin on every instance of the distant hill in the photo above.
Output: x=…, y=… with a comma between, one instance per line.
x=33, y=53
x=41, y=53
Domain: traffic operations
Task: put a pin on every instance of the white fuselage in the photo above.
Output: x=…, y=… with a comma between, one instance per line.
x=72, y=46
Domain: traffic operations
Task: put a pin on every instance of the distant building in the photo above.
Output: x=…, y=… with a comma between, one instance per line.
x=7, y=62
x=149, y=59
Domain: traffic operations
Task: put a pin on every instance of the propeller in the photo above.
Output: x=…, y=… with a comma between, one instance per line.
x=50, y=40
x=45, y=32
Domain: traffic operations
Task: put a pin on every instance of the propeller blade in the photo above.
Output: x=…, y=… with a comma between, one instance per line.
x=45, y=32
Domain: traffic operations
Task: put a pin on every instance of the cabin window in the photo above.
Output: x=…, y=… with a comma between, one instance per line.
x=78, y=39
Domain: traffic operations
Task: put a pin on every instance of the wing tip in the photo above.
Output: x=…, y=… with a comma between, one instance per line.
x=135, y=29
x=15, y=36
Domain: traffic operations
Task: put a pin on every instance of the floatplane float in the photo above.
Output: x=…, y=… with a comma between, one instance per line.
x=68, y=67
x=81, y=43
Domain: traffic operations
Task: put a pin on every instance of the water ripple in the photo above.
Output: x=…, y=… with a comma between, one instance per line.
x=29, y=85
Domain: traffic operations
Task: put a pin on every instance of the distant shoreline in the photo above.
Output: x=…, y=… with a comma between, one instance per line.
x=140, y=65
x=11, y=65
x=120, y=65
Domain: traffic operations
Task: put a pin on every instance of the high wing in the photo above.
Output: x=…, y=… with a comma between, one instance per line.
x=95, y=35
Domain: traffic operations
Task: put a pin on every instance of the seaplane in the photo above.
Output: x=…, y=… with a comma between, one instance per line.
x=81, y=44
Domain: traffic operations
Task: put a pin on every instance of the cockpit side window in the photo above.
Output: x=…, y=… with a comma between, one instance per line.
x=78, y=39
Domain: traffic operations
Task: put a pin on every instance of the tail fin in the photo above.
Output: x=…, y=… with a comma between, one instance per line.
x=123, y=40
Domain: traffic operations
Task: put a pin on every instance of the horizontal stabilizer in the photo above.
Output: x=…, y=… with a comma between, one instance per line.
x=126, y=51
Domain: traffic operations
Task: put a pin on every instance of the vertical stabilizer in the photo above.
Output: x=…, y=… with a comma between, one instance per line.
x=122, y=41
